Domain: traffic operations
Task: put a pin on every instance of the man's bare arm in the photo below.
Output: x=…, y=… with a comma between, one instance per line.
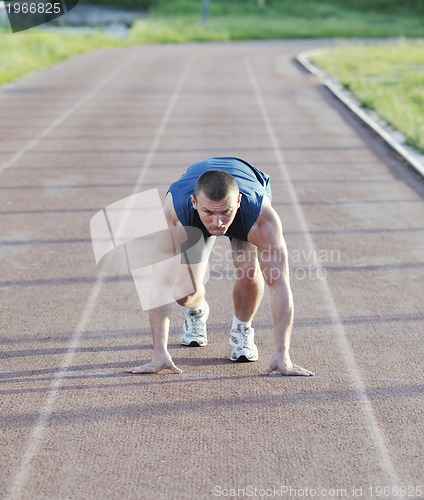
x=267, y=235
x=167, y=245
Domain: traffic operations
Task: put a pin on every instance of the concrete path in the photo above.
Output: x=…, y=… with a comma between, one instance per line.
x=75, y=425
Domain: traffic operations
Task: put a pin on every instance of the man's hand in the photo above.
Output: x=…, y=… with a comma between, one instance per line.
x=283, y=365
x=160, y=362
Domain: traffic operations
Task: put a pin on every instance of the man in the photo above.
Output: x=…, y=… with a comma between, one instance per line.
x=228, y=196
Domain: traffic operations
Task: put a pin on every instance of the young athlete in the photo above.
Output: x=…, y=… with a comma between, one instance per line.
x=228, y=197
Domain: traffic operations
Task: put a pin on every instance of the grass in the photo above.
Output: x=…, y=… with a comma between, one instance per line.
x=27, y=51
x=176, y=30
x=189, y=29
x=388, y=78
x=179, y=21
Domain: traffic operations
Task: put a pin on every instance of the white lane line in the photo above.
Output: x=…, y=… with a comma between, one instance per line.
x=31, y=144
x=36, y=436
x=387, y=379
x=83, y=374
x=162, y=126
x=206, y=375
x=344, y=346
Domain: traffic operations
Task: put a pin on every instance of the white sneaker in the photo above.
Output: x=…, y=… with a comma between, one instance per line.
x=243, y=347
x=193, y=332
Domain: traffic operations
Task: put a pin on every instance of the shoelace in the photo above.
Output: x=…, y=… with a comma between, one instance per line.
x=196, y=325
x=247, y=340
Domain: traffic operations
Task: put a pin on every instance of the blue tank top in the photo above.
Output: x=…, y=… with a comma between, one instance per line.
x=253, y=185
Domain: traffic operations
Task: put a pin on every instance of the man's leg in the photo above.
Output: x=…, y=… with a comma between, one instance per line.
x=249, y=283
x=247, y=295
x=193, y=332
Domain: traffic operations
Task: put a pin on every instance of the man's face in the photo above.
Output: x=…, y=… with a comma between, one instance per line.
x=217, y=216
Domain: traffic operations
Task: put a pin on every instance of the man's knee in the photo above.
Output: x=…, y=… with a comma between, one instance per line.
x=191, y=297
x=247, y=275
x=183, y=301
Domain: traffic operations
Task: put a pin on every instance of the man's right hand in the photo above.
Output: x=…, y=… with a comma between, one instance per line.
x=159, y=363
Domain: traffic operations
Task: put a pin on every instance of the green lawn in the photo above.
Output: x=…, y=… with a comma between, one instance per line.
x=188, y=28
x=30, y=50
x=388, y=78
x=180, y=21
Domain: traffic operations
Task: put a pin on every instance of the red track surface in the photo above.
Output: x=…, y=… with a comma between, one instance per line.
x=102, y=126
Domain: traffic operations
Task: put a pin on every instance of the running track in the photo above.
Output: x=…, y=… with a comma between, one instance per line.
x=102, y=126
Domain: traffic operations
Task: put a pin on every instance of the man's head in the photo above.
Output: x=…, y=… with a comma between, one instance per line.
x=216, y=199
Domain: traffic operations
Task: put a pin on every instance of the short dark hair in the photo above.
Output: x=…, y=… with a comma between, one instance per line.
x=216, y=184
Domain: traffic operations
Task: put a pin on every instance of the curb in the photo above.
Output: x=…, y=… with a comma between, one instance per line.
x=410, y=155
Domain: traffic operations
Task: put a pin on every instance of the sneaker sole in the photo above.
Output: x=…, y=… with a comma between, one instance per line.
x=193, y=343
x=243, y=359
